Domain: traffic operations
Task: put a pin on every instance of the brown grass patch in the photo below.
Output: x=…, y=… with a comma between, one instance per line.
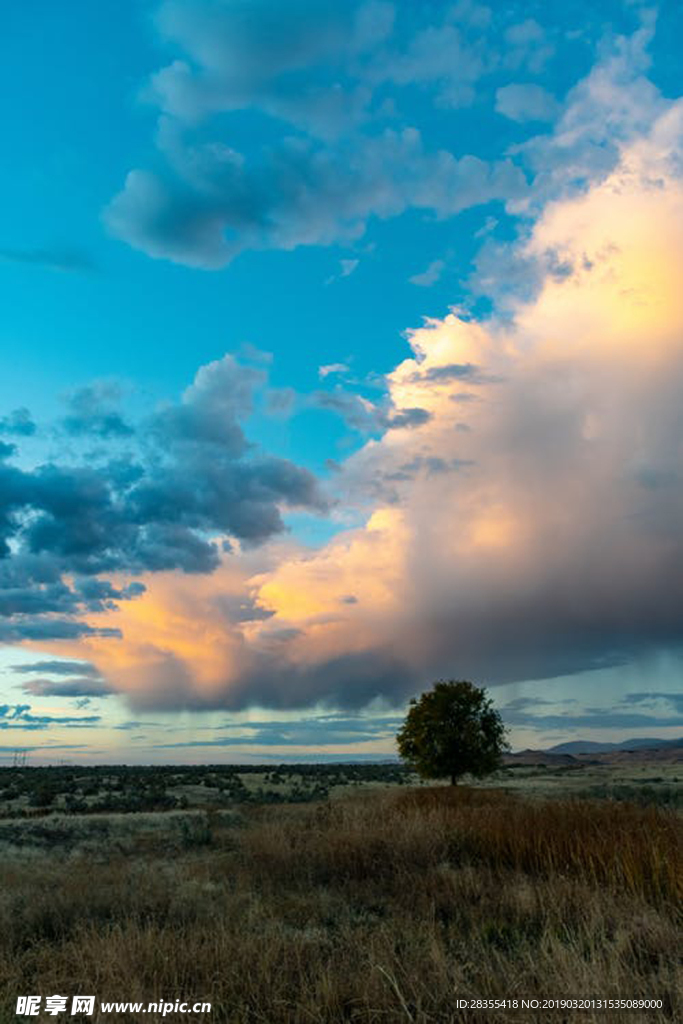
x=379, y=908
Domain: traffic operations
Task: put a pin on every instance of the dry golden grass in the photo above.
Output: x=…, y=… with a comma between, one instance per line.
x=380, y=908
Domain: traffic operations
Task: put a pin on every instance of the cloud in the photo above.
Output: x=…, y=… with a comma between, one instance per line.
x=280, y=402
x=430, y=276
x=19, y=423
x=314, y=71
x=93, y=411
x=322, y=196
x=605, y=112
x=600, y=718
x=542, y=540
x=190, y=479
x=527, y=527
x=27, y=628
x=324, y=730
x=57, y=668
x=528, y=46
x=50, y=259
x=447, y=372
x=330, y=368
x=346, y=268
x=526, y=103
x=437, y=56
x=85, y=686
x=365, y=416
x=675, y=699
x=244, y=57
x=18, y=716
x=241, y=608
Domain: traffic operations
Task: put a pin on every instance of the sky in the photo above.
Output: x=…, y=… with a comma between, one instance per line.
x=342, y=351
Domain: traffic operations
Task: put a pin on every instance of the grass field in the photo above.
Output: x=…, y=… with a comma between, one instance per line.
x=379, y=904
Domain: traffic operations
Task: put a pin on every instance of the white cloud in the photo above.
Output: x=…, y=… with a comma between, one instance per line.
x=526, y=103
x=325, y=371
x=430, y=275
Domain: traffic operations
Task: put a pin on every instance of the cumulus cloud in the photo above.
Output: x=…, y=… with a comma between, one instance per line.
x=313, y=69
x=190, y=480
x=605, y=112
x=322, y=195
x=527, y=528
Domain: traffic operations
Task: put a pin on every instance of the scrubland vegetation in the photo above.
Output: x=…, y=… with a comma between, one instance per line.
x=25, y=792
x=382, y=905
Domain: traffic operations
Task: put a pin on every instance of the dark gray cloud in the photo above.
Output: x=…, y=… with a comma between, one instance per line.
x=270, y=679
x=18, y=716
x=413, y=417
x=191, y=475
x=240, y=608
x=78, y=686
x=27, y=628
x=469, y=373
x=323, y=731
x=57, y=668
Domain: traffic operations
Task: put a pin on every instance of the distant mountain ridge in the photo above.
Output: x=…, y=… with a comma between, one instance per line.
x=591, y=747
x=580, y=752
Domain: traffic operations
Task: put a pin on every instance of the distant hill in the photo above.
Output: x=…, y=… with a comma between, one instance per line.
x=581, y=752
x=591, y=747
x=540, y=757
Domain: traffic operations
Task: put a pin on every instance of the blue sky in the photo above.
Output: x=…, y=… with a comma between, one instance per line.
x=284, y=315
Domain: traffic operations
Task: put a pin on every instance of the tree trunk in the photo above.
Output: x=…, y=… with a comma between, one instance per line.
x=454, y=780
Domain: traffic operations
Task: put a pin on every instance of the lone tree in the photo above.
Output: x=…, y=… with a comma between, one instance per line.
x=452, y=730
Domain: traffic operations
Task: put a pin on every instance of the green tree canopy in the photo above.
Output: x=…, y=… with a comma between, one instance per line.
x=452, y=730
